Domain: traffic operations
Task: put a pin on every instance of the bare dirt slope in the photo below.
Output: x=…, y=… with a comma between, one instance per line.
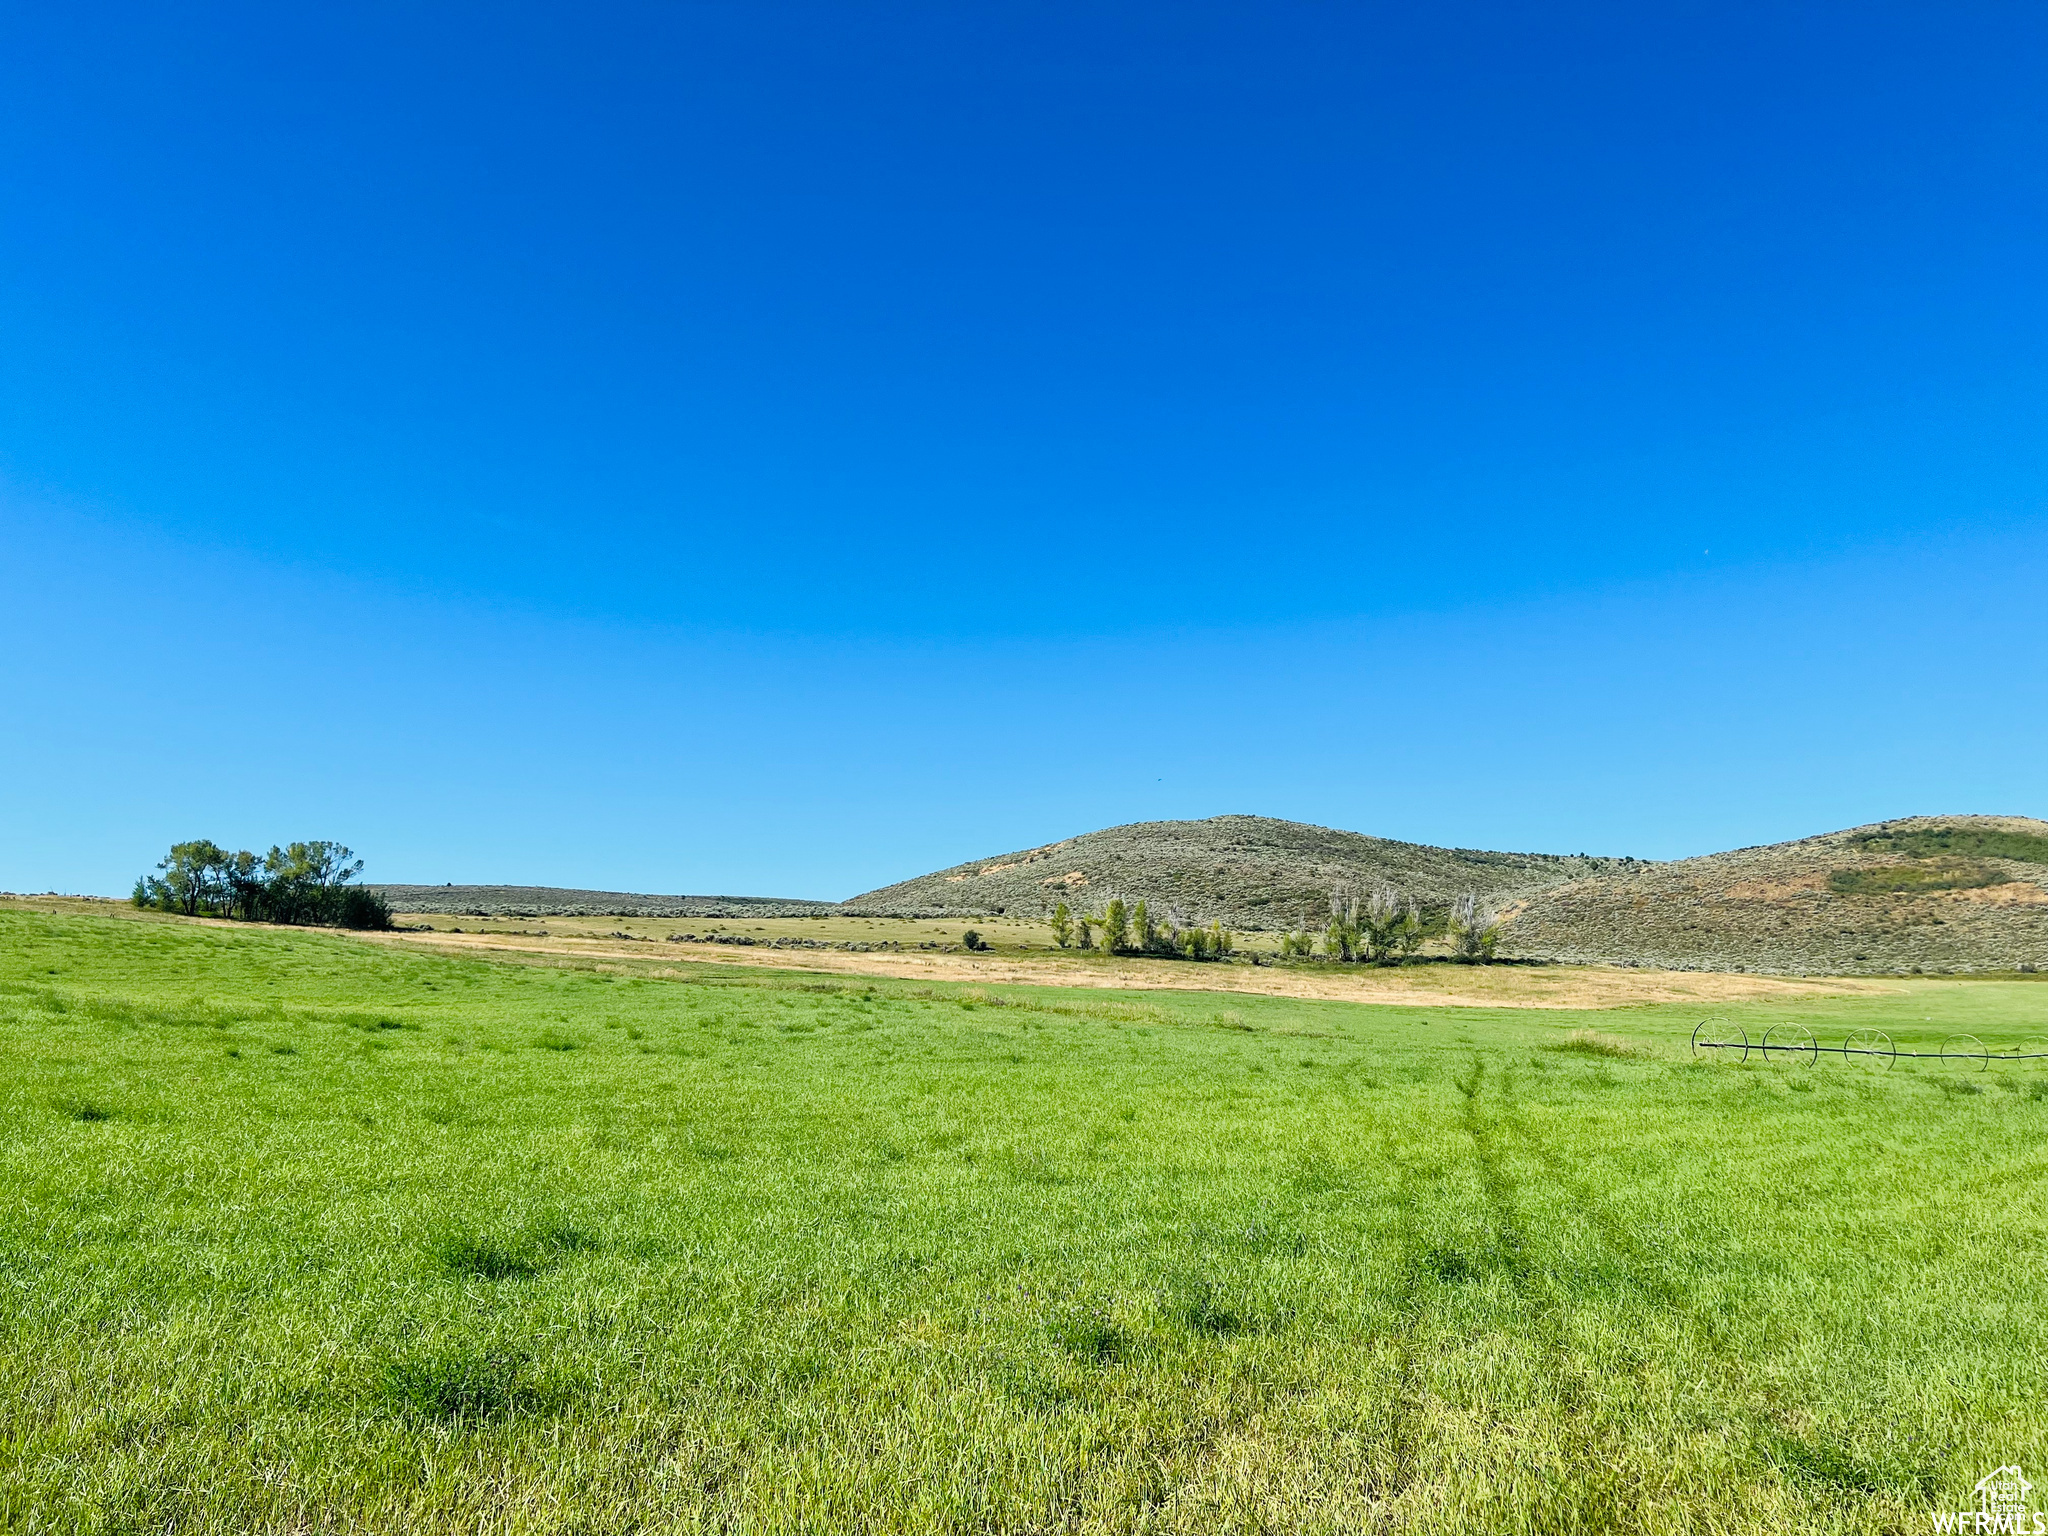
x=1927, y=893
x=1248, y=871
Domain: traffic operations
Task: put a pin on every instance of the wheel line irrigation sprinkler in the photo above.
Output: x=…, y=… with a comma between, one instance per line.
x=1796, y=1042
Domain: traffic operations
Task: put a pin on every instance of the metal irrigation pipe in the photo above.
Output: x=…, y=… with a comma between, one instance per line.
x=1720, y=1035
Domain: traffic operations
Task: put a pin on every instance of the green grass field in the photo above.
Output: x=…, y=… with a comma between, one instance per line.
x=301, y=1234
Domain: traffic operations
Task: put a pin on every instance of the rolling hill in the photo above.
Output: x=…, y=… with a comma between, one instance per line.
x=1926, y=893
x=1252, y=872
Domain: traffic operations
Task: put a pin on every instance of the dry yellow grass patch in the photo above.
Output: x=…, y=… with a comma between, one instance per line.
x=2012, y=893
x=1442, y=986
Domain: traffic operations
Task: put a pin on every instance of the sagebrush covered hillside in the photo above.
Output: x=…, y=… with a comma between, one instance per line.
x=1251, y=872
x=1929, y=893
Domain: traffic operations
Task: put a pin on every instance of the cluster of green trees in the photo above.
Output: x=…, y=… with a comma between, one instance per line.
x=1387, y=926
x=306, y=883
x=1381, y=928
x=1119, y=927
x=1475, y=928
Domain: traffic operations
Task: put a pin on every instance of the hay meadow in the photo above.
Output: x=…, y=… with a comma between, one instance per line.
x=304, y=1233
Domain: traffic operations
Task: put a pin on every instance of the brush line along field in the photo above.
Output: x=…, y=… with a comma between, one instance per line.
x=306, y=1233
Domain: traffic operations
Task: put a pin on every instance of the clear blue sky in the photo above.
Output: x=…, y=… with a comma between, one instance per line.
x=769, y=448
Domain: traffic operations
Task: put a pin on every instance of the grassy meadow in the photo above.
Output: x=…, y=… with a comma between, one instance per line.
x=831, y=928
x=304, y=1233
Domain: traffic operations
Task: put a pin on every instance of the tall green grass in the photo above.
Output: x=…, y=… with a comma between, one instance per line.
x=302, y=1233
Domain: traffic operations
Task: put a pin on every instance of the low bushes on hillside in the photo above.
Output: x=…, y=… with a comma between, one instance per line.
x=1955, y=842
x=300, y=883
x=1929, y=875
x=1252, y=873
x=1919, y=894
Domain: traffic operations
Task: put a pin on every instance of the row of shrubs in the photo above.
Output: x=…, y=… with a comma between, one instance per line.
x=1130, y=928
x=300, y=883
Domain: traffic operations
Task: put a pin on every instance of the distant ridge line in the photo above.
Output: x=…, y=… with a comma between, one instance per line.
x=1934, y=894
x=563, y=901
